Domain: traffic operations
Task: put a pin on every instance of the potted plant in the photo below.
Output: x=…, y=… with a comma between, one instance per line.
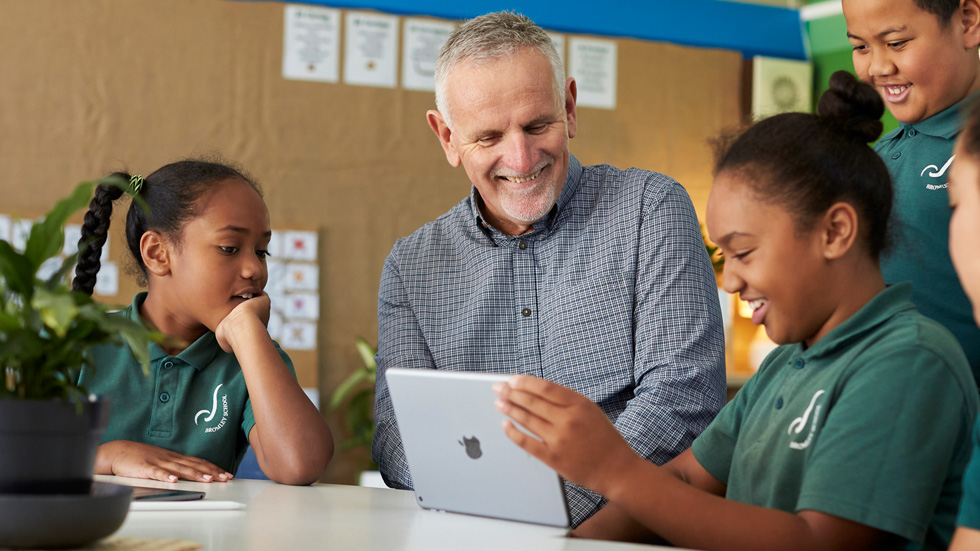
x=358, y=391
x=49, y=426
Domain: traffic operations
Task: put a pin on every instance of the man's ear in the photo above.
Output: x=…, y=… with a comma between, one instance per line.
x=838, y=230
x=969, y=14
x=445, y=134
x=571, y=95
x=155, y=251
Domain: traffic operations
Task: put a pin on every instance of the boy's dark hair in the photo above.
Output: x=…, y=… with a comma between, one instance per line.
x=806, y=162
x=173, y=195
x=942, y=9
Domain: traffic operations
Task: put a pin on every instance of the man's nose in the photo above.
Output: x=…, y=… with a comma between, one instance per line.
x=519, y=156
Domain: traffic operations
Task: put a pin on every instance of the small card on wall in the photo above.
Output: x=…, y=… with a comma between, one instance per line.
x=299, y=245
x=593, y=63
x=301, y=277
x=107, y=282
x=303, y=306
x=275, y=325
x=19, y=232
x=298, y=335
x=558, y=40
x=276, y=285
x=6, y=225
x=311, y=44
x=422, y=42
x=370, y=49
x=73, y=232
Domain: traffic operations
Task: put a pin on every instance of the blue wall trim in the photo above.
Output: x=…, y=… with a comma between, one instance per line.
x=749, y=28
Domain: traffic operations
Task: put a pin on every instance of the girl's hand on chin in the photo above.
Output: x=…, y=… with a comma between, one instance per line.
x=251, y=315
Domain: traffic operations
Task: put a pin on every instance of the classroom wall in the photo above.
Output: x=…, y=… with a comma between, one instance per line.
x=91, y=87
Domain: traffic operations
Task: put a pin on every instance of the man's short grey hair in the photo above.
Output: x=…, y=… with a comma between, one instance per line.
x=490, y=37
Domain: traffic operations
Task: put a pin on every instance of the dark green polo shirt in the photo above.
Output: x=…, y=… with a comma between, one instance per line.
x=194, y=403
x=970, y=506
x=918, y=157
x=871, y=424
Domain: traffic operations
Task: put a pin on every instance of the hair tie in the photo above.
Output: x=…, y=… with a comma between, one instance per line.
x=135, y=184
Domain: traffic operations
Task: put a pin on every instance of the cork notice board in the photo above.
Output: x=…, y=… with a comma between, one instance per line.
x=90, y=87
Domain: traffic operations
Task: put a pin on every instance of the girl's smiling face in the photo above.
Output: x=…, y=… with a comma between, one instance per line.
x=779, y=270
x=964, y=223
x=221, y=257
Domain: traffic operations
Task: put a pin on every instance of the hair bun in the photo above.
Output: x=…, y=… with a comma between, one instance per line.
x=854, y=105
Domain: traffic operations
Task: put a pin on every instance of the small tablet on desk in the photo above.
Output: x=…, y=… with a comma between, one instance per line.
x=141, y=493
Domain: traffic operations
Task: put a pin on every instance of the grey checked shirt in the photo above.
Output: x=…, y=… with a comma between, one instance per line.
x=611, y=294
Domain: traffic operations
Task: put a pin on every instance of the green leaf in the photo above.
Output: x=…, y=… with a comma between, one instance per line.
x=57, y=310
x=8, y=322
x=48, y=234
x=59, y=277
x=16, y=269
x=348, y=385
x=366, y=353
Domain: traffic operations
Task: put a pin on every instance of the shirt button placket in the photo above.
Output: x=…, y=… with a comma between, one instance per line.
x=526, y=279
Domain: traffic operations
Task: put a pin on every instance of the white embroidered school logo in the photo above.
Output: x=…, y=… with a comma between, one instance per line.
x=214, y=411
x=936, y=172
x=798, y=424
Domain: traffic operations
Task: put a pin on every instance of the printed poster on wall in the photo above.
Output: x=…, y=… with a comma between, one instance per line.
x=558, y=40
x=370, y=49
x=422, y=42
x=592, y=63
x=311, y=44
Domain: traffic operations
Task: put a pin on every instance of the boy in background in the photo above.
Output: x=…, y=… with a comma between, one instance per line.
x=922, y=57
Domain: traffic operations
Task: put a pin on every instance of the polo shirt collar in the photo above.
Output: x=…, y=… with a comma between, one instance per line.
x=199, y=354
x=567, y=192
x=893, y=300
x=944, y=124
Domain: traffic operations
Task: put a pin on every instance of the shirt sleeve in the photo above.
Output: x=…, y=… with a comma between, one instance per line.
x=970, y=507
x=679, y=362
x=402, y=344
x=897, y=429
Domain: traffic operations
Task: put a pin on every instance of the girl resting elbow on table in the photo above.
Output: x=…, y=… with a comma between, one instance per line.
x=200, y=247
x=855, y=432
x=964, y=231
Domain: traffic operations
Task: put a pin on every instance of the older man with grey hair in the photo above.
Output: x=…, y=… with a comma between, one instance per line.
x=589, y=276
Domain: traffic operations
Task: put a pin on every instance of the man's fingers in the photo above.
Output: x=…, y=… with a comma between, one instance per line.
x=533, y=446
x=523, y=417
x=547, y=390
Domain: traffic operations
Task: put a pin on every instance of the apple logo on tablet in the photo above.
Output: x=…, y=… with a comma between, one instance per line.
x=472, y=447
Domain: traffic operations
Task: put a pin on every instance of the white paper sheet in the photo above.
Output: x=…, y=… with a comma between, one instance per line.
x=298, y=336
x=559, y=42
x=302, y=277
x=311, y=44
x=593, y=65
x=107, y=282
x=302, y=306
x=6, y=227
x=299, y=245
x=370, y=49
x=423, y=39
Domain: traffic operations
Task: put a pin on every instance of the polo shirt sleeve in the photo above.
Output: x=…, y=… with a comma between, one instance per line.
x=889, y=440
x=970, y=506
x=248, y=418
x=715, y=447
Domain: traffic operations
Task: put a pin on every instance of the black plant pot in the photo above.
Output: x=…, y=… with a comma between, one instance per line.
x=48, y=447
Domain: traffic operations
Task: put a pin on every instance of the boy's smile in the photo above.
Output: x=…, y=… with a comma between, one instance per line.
x=918, y=64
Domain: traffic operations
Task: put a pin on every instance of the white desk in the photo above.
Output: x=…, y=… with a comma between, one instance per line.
x=336, y=517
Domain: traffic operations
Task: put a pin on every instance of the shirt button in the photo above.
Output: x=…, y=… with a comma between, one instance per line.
x=526, y=312
x=912, y=132
x=896, y=155
x=522, y=245
x=168, y=365
x=164, y=397
x=779, y=403
x=799, y=363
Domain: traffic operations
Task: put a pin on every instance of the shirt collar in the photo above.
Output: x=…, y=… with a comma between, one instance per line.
x=199, y=354
x=567, y=191
x=944, y=124
x=893, y=300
